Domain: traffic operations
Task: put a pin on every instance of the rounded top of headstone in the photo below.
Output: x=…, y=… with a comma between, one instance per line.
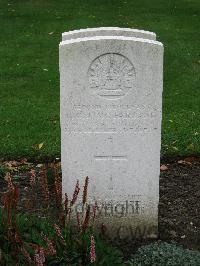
x=108, y=31
x=106, y=38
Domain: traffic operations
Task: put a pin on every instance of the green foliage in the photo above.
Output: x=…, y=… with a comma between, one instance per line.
x=109, y=255
x=75, y=251
x=159, y=254
x=23, y=168
x=3, y=171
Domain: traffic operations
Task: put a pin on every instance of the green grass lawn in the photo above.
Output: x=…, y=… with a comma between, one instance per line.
x=30, y=32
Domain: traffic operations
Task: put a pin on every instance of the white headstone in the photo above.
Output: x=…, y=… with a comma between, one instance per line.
x=111, y=102
x=108, y=31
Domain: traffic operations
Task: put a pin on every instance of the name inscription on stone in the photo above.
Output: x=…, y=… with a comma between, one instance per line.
x=111, y=118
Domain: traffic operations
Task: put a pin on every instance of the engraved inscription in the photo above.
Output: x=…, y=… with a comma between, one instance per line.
x=111, y=118
x=111, y=76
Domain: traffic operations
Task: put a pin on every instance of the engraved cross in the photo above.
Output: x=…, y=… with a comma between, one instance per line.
x=110, y=158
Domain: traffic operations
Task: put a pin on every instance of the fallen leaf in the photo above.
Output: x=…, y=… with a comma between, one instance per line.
x=163, y=167
x=39, y=165
x=12, y=163
x=184, y=162
x=7, y=177
x=58, y=165
x=24, y=161
x=40, y=145
x=190, y=146
x=173, y=233
x=27, y=203
x=11, y=166
x=181, y=162
x=192, y=159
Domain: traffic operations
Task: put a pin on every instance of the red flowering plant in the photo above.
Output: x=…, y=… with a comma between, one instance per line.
x=61, y=238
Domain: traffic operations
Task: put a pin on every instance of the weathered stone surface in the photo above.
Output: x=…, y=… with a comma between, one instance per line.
x=111, y=98
x=108, y=31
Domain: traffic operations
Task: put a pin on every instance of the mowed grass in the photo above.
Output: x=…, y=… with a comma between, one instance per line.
x=29, y=88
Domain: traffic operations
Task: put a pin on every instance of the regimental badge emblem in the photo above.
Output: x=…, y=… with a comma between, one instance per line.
x=111, y=76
